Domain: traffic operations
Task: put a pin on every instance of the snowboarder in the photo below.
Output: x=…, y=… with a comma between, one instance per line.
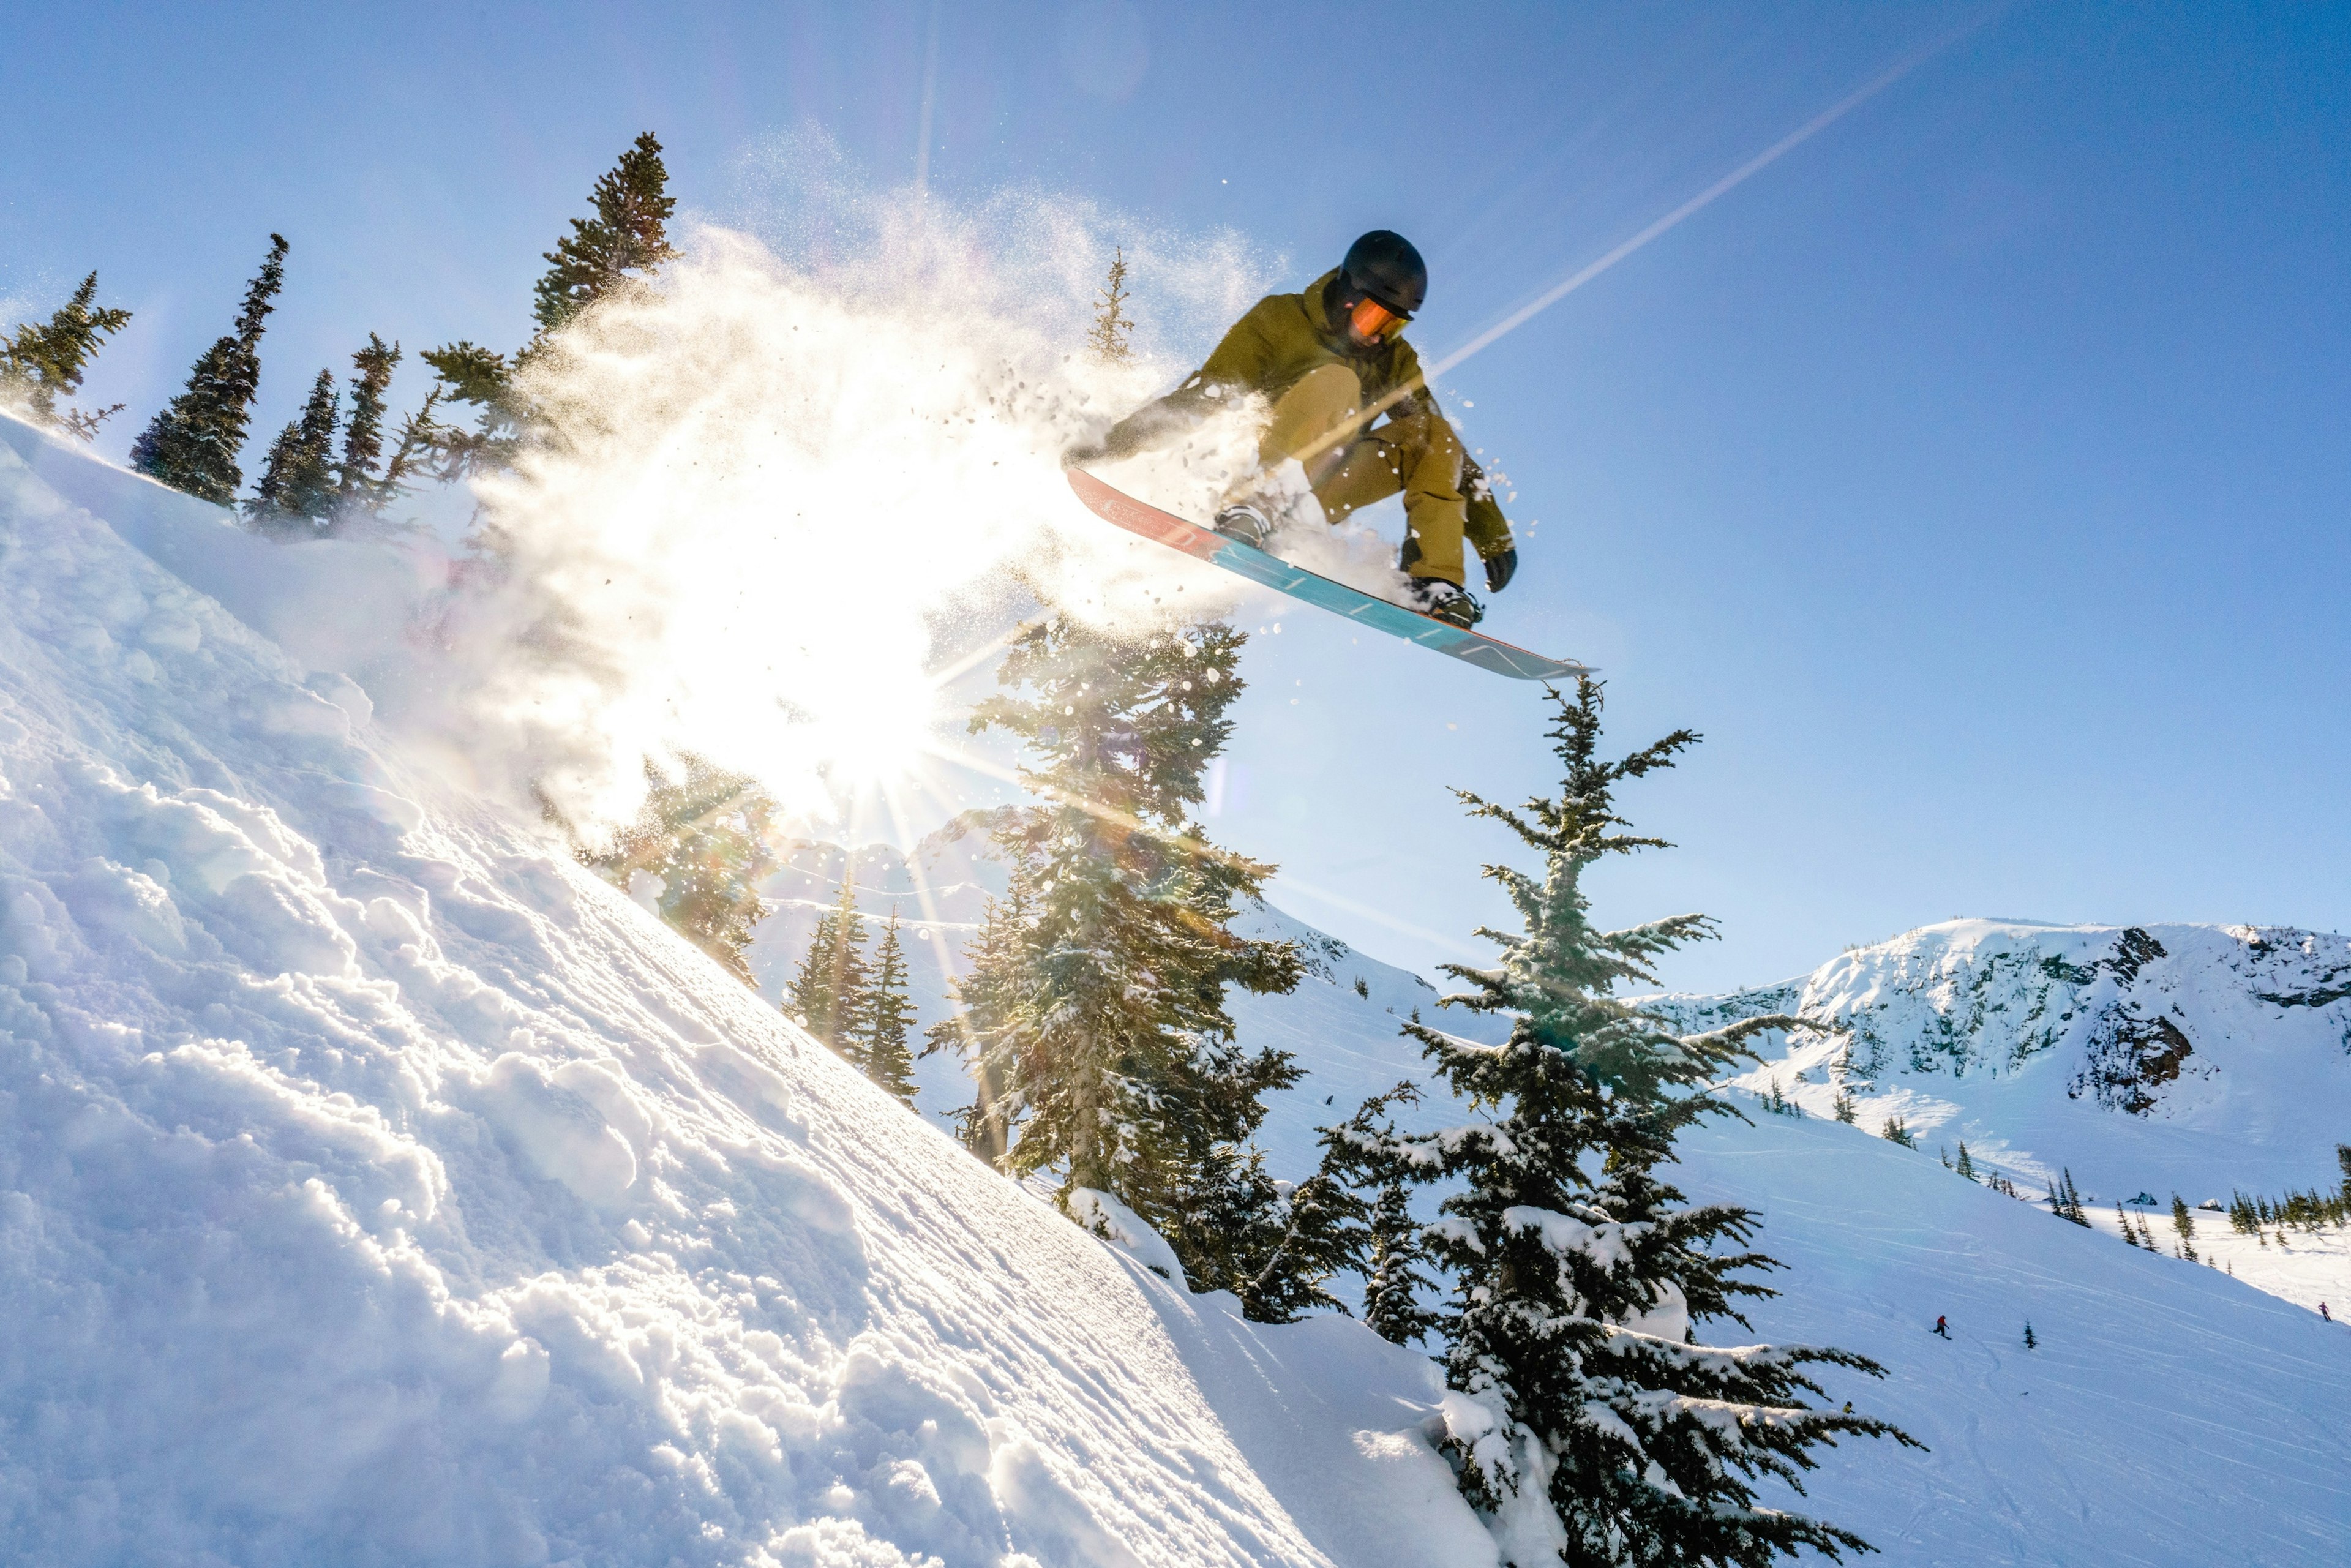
x=1332, y=361
x=2325, y=1313
x=1942, y=1328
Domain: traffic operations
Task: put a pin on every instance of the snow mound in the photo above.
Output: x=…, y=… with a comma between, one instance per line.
x=378, y=1187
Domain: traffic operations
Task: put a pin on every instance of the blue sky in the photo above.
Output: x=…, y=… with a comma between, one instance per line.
x=1975, y=479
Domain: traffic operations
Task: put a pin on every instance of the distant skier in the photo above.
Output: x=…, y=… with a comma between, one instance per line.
x=1942, y=1328
x=2325, y=1313
x=1332, y=361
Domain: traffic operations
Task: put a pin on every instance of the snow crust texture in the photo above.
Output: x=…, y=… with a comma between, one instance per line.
x=378, y=1187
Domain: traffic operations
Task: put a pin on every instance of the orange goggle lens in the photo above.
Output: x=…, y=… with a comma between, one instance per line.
x=1372, y=320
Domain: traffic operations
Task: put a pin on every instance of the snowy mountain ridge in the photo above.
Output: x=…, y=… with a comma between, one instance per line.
x=2046, y=1046
x=2140, y=1061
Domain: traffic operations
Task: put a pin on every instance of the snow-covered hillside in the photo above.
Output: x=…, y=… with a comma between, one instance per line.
x=2149, y=1060
x=376, y=1186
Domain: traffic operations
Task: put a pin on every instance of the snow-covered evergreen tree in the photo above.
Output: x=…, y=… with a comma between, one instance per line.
x=834, y=987
x=297, y=492
x=1586, y=1422
x=1274, y=1244
x=880, y=1035
x=704, y=834
x=38, y=365
x=1278, y=1248
x=1397, y=1285
x=192, y=445
x=1106, y=1035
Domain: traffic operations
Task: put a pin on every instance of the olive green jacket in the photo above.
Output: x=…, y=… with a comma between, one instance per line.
x=1270, y=351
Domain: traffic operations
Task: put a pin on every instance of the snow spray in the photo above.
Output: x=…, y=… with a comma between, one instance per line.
x=779, y=491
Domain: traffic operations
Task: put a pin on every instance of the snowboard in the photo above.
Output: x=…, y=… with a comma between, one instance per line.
x=1312, y=588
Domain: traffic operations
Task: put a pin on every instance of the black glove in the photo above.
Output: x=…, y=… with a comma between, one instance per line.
x=1500, y=568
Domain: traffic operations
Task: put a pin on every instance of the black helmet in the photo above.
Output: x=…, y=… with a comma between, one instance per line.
x=1384, y=265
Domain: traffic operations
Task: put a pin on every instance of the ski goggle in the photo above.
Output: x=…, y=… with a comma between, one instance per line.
x=1372, y=321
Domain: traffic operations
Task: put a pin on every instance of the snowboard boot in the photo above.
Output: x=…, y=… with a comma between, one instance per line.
x=1442, y=600
x=1245, y=522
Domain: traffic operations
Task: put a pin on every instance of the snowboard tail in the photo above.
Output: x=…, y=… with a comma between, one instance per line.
x=1312, y=588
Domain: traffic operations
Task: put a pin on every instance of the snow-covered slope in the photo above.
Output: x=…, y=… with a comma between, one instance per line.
x=2146, y=1060
x=377, y=1188
x=2170, y=1414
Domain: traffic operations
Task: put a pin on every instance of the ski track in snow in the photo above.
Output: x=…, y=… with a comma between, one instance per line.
x=378, y=1187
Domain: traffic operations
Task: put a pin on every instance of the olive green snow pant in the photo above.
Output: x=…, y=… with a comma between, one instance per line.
x=1419, y=455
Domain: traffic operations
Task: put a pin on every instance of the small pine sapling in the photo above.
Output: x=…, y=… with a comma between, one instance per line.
x=1112, y=328
x=1845, y=1110
x=1966, y=1166
x=1313, y=1232
x=1895, y=1131
x=1397, y=1287
x=2030, y=1343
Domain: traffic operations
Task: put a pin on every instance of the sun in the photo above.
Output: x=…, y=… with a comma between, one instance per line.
x=871, y=733
x=869, y=751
